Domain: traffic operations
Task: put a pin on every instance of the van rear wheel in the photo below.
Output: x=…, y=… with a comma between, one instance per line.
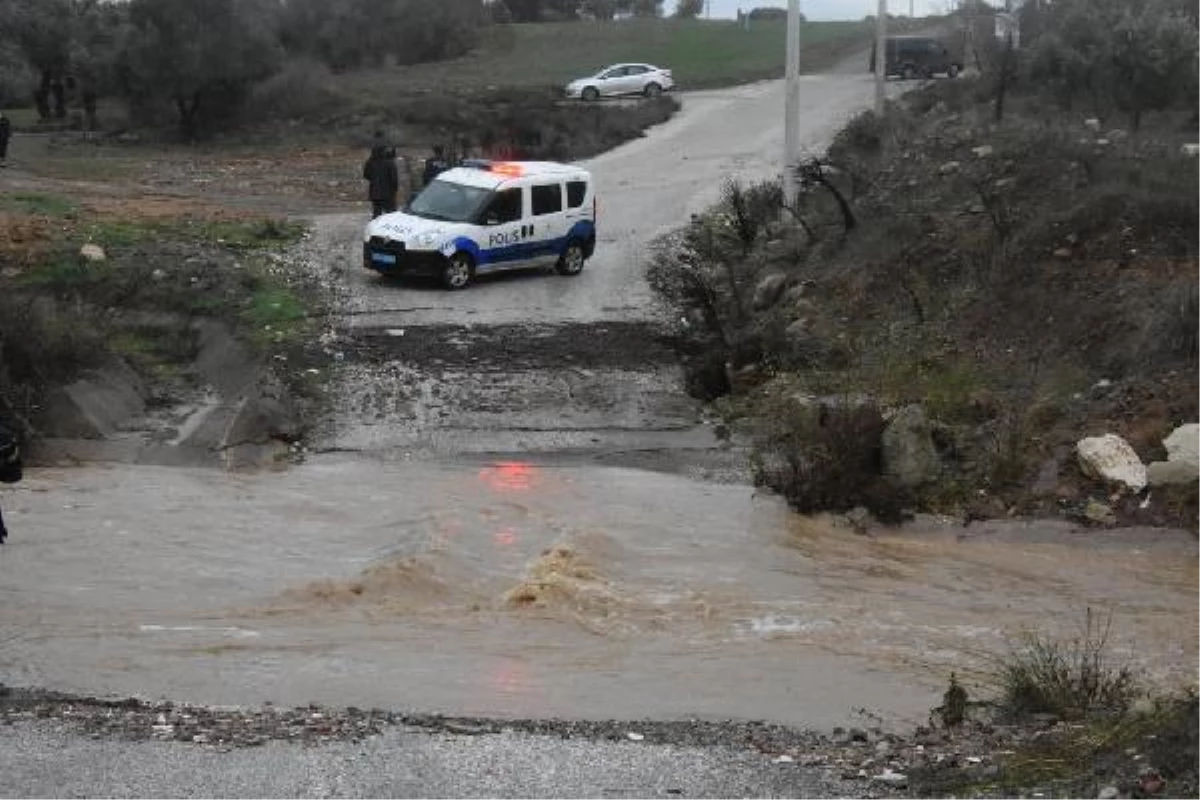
x=458, y=272
x=571, y=260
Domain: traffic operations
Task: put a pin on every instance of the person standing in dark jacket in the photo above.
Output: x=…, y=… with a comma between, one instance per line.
x=435, y=165
x=10, y=465
x=383, y=180
x=5, y=133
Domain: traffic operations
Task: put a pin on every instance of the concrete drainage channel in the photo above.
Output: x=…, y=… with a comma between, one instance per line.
x=237, y=415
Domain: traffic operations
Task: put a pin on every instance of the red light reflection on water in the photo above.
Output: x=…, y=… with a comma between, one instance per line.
x=505, y=537
x=509, y=476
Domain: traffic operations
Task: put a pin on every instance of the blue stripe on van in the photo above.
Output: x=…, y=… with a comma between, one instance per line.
x=582, y=230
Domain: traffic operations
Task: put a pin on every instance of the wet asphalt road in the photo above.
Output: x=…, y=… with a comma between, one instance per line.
x=44, y=760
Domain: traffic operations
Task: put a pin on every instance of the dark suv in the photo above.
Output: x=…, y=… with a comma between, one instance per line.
x=918, y=57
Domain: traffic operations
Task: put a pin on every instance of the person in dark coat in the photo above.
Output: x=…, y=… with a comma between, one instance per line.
x=10, y=465
x=5, y=135
x=383, y=180
x=435, y=165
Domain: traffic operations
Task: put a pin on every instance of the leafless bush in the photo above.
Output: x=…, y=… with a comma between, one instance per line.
x=751, y=209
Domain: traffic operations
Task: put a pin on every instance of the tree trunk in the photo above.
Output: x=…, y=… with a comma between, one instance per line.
x=89, y=108
x=41, y=97
x=1002, y=82
x=60, y=97
x=188, y=114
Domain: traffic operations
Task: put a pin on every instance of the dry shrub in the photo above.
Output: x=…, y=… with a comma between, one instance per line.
x=1070, y=679
x=304, y=89
x=827, y=457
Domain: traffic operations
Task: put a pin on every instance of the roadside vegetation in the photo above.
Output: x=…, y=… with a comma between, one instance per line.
x=82, y=285
x=1066, y=719
x=962, y=291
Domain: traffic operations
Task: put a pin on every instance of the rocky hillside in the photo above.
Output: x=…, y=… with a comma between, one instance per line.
x=954, y=306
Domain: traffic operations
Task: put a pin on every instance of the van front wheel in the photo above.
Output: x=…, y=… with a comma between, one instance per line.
x=458, y=272
x=571, y=260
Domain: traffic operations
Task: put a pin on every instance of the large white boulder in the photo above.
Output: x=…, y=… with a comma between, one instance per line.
x=1110, y=458
x=1184, y=444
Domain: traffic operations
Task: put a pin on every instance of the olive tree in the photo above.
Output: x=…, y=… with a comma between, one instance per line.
x=40, y=29
x=200, y=55
x=1153, y=59
x=1134, y=55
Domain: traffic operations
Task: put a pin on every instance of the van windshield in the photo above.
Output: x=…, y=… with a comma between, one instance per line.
x=449, y=202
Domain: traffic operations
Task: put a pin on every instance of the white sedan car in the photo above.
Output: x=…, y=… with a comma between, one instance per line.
x=623, y=79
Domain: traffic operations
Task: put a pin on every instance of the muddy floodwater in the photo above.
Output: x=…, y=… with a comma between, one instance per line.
x=518, y=588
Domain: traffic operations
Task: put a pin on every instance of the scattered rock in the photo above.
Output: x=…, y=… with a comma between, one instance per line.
x=910, y=456
x=983, y=151
x=891, y=778
x=1171, y=473
x=799, y=330
x=259, y=420
x=949, y=168
x=1062, y=253
x=1047, y=478
x=1184, y=444
x=1190, y=150
x=1109, y=793
x=1111, y=459
x=92, y=252
x=860, y=520
x=1099, y=513
x=1092, y=124
x=768, y=291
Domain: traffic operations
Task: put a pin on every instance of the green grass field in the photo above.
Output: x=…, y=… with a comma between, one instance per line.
x=700, y=53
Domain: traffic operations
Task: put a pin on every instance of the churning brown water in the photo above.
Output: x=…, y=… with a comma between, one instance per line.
x=522, y=589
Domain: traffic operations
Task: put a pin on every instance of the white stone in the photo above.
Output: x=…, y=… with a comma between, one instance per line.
x=983, y=151
x=1171, y=473
x=1110, y=458
x=1092, y=124
x=1191, y=150
x=1184, y=444
x=92, y=252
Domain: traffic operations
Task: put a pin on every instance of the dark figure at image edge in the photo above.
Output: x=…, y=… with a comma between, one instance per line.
x=10, y=465
x=383, y=178
x=435, y=165
x=5, y=134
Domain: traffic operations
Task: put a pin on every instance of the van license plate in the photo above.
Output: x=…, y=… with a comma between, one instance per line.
x=383, y=258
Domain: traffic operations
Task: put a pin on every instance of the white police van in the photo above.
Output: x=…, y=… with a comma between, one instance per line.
x=487, y=216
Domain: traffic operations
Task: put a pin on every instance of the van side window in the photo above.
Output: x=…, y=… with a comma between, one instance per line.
x=504, y=207
x=576, y=192
x=547, y=199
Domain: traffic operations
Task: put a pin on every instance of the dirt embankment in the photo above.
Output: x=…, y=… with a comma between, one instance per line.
x=989, y=293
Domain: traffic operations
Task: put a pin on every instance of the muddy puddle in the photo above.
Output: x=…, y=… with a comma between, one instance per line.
x=527, y=589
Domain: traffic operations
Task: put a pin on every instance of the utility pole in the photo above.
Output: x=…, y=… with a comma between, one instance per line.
x=880, y=56
x=791, y=104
